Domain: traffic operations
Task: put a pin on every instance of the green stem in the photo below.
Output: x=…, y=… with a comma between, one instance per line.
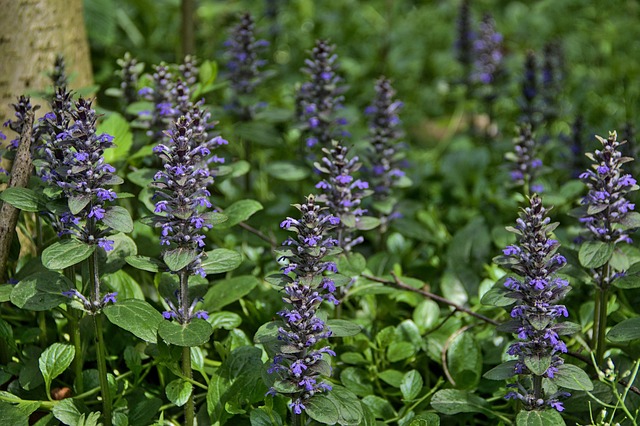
x=101, y=358
x=600, y=314
x=102, y=370
x=79, y=358
x=537, y=387
x=189, y=408
x=42, y=324
x=297, y=419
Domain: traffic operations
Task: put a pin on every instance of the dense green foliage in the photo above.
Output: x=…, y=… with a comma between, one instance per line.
x=423, y=327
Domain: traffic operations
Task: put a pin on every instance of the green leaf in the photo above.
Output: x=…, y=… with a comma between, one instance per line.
x=178, y=391
x=137, y=317
x=339, y=406
x=426, y=315
x=179, y=258
x=117, y=127
x=77, y=203
x=380, y=407
x=366, y=223
x=123, y=284
x=538, y=364
x=464, y=359
x=41, y=291
x=570, y=376
x=221, y=260
x=454, y=401
x=196, y=333
x=5, y=292
x=631, y=278
x=287, y=171
x=343, y=328
x=357, y=381
x=426, y=419
x=118, y=219
x=65, y=253
x=12, y=415
x=539, y=418
x=498, y=295
x=503, y=371
x=391, y=377
x=625, y=331
x=228, y=291
x=594, y=254
x=411, y=385
x=226, y=320
x=22, y=198
x=239, y=212
x=142, y=177
x=397, y=351
x=54, y=361
x=146, y=263
x=631, y=220
x=351, y=265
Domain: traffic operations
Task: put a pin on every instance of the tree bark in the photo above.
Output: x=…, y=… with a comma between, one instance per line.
x=32, y=32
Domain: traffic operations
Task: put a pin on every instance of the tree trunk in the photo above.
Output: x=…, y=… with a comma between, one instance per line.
x=32, y=32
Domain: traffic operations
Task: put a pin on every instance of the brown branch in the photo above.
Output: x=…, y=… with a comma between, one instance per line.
x=398, y=283
x=20, y=173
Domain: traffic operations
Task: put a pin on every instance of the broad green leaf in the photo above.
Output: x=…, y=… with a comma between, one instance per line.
x=196, y=333
x=117, y=127
x=65, y=253
x=123, y=246
x=5, y=292
x=503, y=371
x=397, y=351
x=630, y=279
x=41, y=291
x=594, y=254
x=454, y=401
x=366, y=223
x=287, y=171
x=391, y=377
x=54, y=361
x=77, y=203
x=118, y=219
x=380, y=407
x=239, y=212
x=357, y=381
x=339, y=406
x=411, y=385
x=539, y=418
x=221, y=260
x=228, y=291
x=631, y=220
x=142, y=177
x=260, y=417
x=13, y=415
x=464, y=359
x=22, y=198
x=179, y=258
x=137, y=317
x=351, y=265
x=67, y=412
x=343, y=328
x=426, y=315
x=625, y=331
x=572, y=377
x=143, y=411
x=146, y=263
x=538, y=364
x=178, y=391
x=226, y=320
x=123, y=284
x=426, y=419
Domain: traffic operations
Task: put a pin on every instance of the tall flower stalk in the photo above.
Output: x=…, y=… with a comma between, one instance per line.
x=300, y=365
x=244, y=66
x=385, y=158
x=525, y=164
x=319, y=99
x=181, y=199
x=343, y=192
x=534, y=261
x=79, y=170
x=464, y=41
x=530, y=90
x=608, y=216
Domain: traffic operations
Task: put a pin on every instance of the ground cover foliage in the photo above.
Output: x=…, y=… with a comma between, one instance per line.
x=354, y=213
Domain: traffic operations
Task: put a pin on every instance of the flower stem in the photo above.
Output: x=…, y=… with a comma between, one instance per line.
x=189, y=408
x=101, y=358
x=297, y=419
x=600, y=323
x=102, y=370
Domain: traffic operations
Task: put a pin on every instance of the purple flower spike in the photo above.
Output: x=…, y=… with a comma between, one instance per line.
x=298, y=362
x=537, y=292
